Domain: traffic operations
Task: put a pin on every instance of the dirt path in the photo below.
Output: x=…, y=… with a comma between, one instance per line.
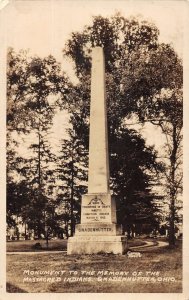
x=149, y=245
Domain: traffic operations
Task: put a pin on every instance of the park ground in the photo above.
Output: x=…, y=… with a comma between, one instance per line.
x=156, y=270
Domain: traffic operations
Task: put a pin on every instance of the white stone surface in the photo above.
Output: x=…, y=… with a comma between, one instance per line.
x=88, y=245
x=98, y=180
x=98, y=208
x=100, y=229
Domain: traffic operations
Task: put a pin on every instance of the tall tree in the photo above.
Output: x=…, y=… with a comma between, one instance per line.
x=134, y=173
x=72, y=175
x=33, y=85
x=138, y=67
x=170, y=121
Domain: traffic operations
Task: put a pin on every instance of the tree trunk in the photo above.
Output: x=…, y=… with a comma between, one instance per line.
x=72, y=202
x=25, y=231
x=39, y=181
x=172, y=190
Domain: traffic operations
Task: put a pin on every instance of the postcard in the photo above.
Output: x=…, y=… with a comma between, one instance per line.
x=94, y=153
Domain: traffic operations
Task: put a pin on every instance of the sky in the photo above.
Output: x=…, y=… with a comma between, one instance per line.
x=44, y=26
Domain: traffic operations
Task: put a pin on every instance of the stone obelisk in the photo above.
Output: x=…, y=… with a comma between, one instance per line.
x=98, y=231
x=98, y=179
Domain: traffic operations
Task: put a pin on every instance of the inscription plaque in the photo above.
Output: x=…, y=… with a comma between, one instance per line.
x=95, y=229
x=97, y=209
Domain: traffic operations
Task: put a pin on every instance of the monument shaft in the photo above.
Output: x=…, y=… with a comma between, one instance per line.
x=98, y=180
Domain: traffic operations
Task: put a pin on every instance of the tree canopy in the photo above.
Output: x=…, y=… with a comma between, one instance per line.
x=143, y=79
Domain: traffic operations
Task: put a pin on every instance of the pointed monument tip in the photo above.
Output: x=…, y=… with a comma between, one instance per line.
x=97, y=52
x=97, y=49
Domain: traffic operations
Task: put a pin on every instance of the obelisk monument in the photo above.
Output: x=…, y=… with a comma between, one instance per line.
x=98, y=179
x=98, y=231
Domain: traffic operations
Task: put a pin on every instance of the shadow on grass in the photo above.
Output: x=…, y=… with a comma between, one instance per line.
x=36, y=245
x=14, y=289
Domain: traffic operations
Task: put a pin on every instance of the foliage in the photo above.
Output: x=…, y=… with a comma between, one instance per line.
x=134, y=172
x=143, y=79
x=33, y=85
x=118, y=36
x=72, y=175
x=139, y=69
x=170, y=121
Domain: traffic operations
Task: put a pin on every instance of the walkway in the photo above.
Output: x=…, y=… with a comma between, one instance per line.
x=150, y=245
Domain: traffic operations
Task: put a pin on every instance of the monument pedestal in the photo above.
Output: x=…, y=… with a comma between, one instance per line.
x=94, y=235
x=97, y=244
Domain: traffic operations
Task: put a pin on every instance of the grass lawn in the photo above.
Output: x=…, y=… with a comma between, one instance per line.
x=27, y=246
x=165, y=263
x=53, y=245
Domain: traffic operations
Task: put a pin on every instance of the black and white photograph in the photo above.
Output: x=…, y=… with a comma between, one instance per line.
x=92, y=139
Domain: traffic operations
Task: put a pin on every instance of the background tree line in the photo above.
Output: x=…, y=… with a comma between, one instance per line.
x=144, y=85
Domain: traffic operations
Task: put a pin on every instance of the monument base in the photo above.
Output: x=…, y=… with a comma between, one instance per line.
x=97, y=238
x=97, y=244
